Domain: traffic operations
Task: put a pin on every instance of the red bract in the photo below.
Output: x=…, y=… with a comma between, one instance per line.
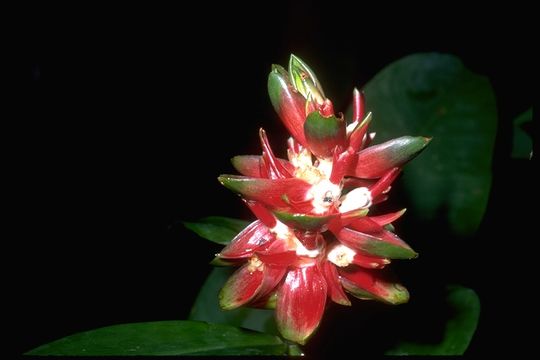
x=314, y=238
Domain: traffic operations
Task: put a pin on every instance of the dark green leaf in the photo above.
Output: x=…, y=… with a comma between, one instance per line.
x=459, y=331
x=435, y=95
x=206, y=307
x=218, y=229
x=165, y=338
x=522, y=142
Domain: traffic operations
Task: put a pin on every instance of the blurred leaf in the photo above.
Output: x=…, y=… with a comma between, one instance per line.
x=460, y=328
x=295, y=350
x=522, y=143
x=435, y=95
x=206, y=307
x=165, y=338
x=218, y=229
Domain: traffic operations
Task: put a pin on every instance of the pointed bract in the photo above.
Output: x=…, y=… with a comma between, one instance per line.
x=375, y=161
x=282, y=259
x=300, y=304
x=382, y=186
x=276, y=193
x=373, y=284
x=272, y=277
x=275, y=168
x=347, y=217
x=262, y=213
x=267, y=301
x=304, y=80
x=365, y=225
x=241, y=287
x=323, y=134
x=384, y=244
x=335, y=290
x=386, y=219
x=370, y=262
x=288, y=103
x=341, y=162
x=249, y=165
x=303, y=221
x=350, y=183
x=244, y=244
x=359, y=105
x=356, y=138
x=311, y=240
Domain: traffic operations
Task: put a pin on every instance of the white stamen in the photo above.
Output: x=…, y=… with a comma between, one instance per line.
x=341, y=255
x=301, y=159
x=325, y=166
x=302, y=251
x=359, y=198
x=254, y=264
x=284, y=233
x=324, y=194
x=281, y=230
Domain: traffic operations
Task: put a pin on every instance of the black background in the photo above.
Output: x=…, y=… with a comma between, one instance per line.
x=130, y=114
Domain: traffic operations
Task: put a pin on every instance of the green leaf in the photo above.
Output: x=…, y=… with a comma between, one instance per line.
x=465, y=309
x=206, y=307
x=522, y=143
x=436, y=95
x=295, y=350
x=165, y=338
x=218, y=229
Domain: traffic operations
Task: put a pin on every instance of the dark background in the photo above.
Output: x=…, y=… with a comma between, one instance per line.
x=130, y=114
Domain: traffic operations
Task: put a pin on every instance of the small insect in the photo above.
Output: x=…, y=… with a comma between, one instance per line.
x=328, y=197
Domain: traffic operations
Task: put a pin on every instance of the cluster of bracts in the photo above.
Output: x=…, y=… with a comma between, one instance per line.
x=314, y=238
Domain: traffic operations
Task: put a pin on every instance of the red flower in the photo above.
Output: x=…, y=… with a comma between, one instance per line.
x=314, y=239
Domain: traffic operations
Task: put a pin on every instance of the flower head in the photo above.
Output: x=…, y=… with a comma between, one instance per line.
x=314, y=238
